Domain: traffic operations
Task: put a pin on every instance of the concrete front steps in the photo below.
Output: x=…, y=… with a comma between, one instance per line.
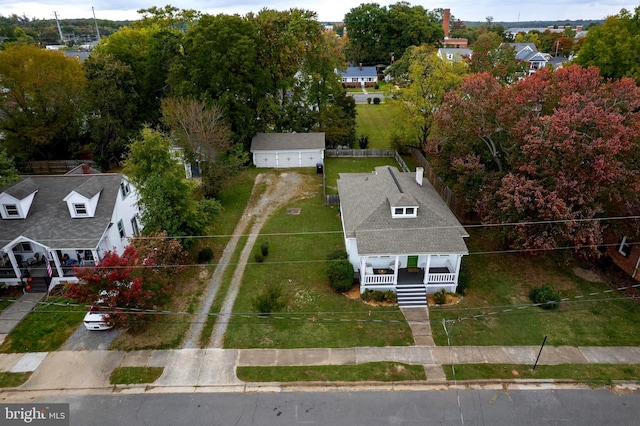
x=411, y=295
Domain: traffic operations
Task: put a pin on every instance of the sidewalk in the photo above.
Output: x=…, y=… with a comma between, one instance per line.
x=190, y=370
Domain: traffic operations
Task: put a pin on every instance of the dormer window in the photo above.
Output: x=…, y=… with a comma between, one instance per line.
x=11, y=210
x=80, y=209
x=405, y=212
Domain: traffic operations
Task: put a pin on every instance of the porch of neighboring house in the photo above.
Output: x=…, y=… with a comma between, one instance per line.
x=410, y=277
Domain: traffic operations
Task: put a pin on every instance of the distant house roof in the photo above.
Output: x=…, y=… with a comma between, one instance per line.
x=287, y=141
x=366, y=200
x=49, y=221
x=359, y=72
x=457, y=53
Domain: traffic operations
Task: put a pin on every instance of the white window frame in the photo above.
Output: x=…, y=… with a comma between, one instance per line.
x=404, y=212
x=80, y=209
x=134, y=225
x=125, y=189
x=11, y=210
x=624, y=244
x=121, y=230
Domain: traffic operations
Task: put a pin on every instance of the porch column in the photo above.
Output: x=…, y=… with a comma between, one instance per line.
x=94, y=253
x=455, y=279
x=56, y=261
x=14, y=263
x=395, y=272
x=363, y=267
x=426, y=269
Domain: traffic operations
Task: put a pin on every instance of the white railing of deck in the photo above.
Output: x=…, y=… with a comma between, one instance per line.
x=442, y=278
x=379, y=279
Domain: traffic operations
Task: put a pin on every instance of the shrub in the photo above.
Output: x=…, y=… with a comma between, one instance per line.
x=378, y=296
x=390, y=296
x=340, y=273
x=377, y=86
x=369, y=101
x=463, y=283
x=376, y=101
x=366, y=296
x=363, y=142
x=270, y=300
x=264, y=248
x=337, y=254
x=205, y=255
x=546, y=296
x=440, y=297
x=258, y=257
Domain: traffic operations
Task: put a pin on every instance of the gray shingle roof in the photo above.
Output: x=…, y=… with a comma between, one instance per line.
x=22, y=189
x=89, y=187
x=287, y=141
x=49, y=221
x=366, y=212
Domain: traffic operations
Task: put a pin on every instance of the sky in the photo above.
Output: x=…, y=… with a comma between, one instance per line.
x=327, y=10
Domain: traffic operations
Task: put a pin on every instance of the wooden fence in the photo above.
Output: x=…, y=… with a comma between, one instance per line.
x=52, y=167
x=334, y=199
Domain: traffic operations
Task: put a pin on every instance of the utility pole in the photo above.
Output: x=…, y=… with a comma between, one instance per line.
x=95, y=22
x=59, y=29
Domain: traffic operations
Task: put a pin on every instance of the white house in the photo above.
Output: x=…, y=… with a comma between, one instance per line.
x=282, y=150
x=359, y=76
x=64, y=221
x=453, y=54
x=399, y=234
x=529, y=53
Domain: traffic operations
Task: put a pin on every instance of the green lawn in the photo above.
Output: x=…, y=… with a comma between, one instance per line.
x=314, y=316
x=334, y=166
x=498, y=293
x=590, y=373
x=135, y=375
x=375, y=121
x=12, y=380
x=372, y=371
x=45, y=329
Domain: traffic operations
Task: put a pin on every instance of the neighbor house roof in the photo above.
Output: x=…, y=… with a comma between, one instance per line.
x=287, y=141
x=359, y=72
x=457, y=53
x=365, y=200
x=49, y=221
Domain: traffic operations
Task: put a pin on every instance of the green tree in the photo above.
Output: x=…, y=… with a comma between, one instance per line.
x=428, y=79
x=40, y=101
x=219, y=61
x=491, y=54
x=112, y=103
x=167, y=200
x=8, y=172
x=613, y=46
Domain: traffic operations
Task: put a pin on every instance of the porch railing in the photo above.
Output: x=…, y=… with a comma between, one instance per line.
x=379, y=279
x=441, y=278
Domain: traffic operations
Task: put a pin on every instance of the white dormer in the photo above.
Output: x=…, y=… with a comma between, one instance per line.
x=402, y=204
x=83, y=200
x=404, y=211
x=16, y=201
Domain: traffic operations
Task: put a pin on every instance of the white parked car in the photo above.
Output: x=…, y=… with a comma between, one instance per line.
x=95, y=317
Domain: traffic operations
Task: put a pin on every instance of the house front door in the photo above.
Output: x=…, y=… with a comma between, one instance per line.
x=412, y=261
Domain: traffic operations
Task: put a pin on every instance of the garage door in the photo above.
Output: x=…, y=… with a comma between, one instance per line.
x=288, y=159
x=311, y=158
x=265, y=160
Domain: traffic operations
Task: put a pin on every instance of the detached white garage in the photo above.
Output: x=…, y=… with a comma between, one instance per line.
x=282, y=150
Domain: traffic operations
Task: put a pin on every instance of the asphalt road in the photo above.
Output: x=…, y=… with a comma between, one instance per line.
x=476, y=407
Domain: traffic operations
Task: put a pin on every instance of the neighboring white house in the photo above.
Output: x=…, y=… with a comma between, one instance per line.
x=359, y=76
x=399, y=234
x=282, y=150
x=529, y=53
x=67, y=220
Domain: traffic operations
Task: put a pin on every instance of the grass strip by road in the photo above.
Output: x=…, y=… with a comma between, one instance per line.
x=12, y=380
x=46, y=327
x=373, y=371
x=588, y=373
x=135, y=375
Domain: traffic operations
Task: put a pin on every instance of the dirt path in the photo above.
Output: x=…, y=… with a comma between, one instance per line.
x=279, y=190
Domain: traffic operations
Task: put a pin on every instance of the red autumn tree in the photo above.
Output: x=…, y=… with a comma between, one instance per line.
x=124, y=284
x=573, y=156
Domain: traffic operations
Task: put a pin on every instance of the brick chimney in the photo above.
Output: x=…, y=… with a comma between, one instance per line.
x=578, y=28
x=86, y=169
x=360, y=66
x=445, y=22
